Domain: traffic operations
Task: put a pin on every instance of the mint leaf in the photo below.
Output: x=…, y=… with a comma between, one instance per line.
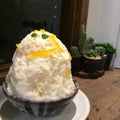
x=44, y=36
x=33, y=35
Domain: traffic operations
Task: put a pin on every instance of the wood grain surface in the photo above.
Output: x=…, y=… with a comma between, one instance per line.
x=104, y=95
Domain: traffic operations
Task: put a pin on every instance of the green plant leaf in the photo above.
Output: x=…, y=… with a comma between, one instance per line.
x=44, y=36
x=74, y=51
x=33, y=35
x=91, y=53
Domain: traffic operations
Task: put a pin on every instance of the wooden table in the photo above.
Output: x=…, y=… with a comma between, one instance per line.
x=103, y=94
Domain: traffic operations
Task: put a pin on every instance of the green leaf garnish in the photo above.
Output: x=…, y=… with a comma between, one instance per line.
x=44, y=36
x=33, y=35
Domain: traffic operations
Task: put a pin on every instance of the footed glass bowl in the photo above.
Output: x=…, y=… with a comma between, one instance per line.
x=37, y=108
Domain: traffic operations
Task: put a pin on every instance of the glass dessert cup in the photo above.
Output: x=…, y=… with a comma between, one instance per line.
x=39, y=108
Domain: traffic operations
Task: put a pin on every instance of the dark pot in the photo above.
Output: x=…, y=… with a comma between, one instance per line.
x=91, y=65
x=102, y=63
x=108, y=62
x=77, y=63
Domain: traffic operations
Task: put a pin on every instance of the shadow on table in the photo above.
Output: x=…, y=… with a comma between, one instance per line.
x=9, y=112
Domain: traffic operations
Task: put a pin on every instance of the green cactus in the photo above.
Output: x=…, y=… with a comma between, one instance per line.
x=88, y=45
x=82, y=39
x=74, y=51
x=91, y=53
x=109, y=49
x=100, y=50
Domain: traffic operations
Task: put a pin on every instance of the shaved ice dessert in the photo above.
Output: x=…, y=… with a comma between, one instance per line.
x=41, y=68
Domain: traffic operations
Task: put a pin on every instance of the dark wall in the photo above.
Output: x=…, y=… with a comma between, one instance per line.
x=19, y=17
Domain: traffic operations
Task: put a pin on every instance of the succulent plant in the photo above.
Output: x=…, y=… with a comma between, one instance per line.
x=109, y=49
x=100, y=50
x=82, y=39
x=74, y=51
x=91, y=53
x=88, y=45
x=96, y=51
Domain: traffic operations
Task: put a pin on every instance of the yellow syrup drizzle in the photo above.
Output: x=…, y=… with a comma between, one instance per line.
x=34, y=31
x=70, y=57
x=17, y=45
x=53, y=38
x=67, y=73
x=47, y=52
x=42, y=31
x=41, y=53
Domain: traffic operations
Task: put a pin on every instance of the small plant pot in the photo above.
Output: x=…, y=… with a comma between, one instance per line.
x=108, y=62
x=90, y=65
x=77, y=63
x=102, y=63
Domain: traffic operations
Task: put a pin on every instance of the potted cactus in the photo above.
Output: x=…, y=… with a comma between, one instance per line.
x=109, y=51
x=77, y=52
x=82, y=40
x=76, y=59
x=94, y=59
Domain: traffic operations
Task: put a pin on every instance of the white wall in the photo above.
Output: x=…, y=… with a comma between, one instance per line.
x=104, y=21
x=93, y=17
